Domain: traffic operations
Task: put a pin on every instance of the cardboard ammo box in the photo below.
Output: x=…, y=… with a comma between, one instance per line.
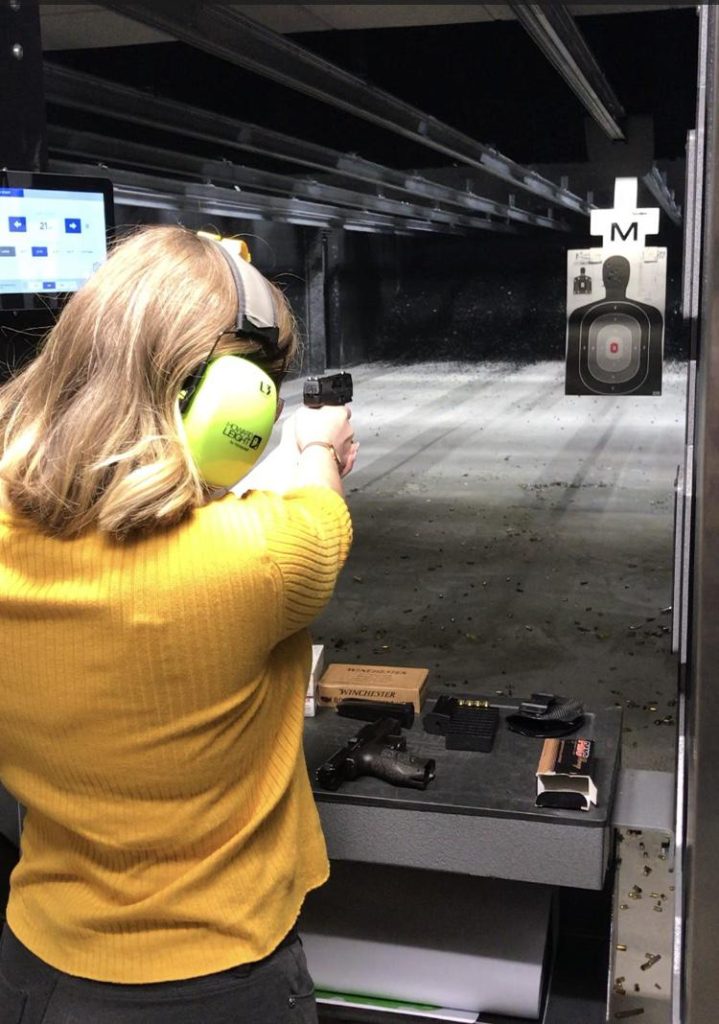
x=372, y=682
x=564, y=775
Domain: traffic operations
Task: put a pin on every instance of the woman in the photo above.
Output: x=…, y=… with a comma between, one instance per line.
x=155, y=661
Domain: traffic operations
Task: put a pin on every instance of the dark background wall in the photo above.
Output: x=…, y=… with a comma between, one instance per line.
x=484, y=297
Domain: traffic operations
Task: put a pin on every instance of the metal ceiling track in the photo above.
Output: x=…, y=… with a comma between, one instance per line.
x=555, y=32
x=656, y=182
x=66, y=143
x=226, y=34
x=151, y=191
x=75, y=89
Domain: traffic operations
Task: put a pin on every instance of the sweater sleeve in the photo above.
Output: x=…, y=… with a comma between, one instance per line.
x=308, y=533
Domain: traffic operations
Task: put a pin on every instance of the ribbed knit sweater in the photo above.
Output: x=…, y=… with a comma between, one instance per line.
x=151, y=717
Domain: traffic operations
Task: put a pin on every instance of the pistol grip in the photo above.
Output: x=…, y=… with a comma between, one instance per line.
x=402, y=769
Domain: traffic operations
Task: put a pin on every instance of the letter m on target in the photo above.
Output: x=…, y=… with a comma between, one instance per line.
x=632, y=230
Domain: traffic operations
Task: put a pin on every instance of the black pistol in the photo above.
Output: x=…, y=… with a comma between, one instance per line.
x=334, y=389
x=379, y=749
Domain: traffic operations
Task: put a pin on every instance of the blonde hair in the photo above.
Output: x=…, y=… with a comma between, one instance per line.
x=91, y=432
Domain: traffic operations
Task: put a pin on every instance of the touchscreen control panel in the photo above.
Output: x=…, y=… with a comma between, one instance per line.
x=51, y=240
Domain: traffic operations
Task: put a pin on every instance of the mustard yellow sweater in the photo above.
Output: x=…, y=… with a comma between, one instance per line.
x=151, y=716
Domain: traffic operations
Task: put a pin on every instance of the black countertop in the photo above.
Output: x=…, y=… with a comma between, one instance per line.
x=499, y=784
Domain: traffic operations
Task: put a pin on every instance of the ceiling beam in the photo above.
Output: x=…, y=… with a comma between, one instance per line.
x=555, y=32
x=77, y=90
x=66, y=143
x=232, y=37
x=150, y=191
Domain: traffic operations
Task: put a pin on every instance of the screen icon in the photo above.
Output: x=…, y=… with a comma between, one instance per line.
x=17, y=223
x=73, y=226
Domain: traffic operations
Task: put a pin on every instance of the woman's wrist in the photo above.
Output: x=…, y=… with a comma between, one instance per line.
x=327, y=446
x=318, y=465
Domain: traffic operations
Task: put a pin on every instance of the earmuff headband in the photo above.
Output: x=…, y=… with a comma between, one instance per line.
x=256, y=309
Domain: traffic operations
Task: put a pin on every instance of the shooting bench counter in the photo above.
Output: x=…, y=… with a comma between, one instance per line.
x=477, y=817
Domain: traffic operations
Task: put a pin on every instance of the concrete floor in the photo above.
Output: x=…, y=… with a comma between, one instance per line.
x=512, y=539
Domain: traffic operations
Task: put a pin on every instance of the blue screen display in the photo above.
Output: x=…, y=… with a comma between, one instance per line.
x=50, y=240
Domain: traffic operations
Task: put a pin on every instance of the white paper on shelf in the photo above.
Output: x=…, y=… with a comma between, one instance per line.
x=436, y=1013
x=477, y=944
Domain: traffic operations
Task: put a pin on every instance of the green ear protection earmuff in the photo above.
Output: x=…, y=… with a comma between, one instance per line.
x=229, y=405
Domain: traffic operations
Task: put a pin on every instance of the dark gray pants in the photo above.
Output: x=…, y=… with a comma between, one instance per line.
x=276, y=990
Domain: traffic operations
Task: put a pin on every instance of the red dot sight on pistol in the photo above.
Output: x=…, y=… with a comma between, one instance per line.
x=334, y=389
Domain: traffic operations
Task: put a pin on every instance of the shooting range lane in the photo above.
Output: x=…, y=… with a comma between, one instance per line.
x=512, y=539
